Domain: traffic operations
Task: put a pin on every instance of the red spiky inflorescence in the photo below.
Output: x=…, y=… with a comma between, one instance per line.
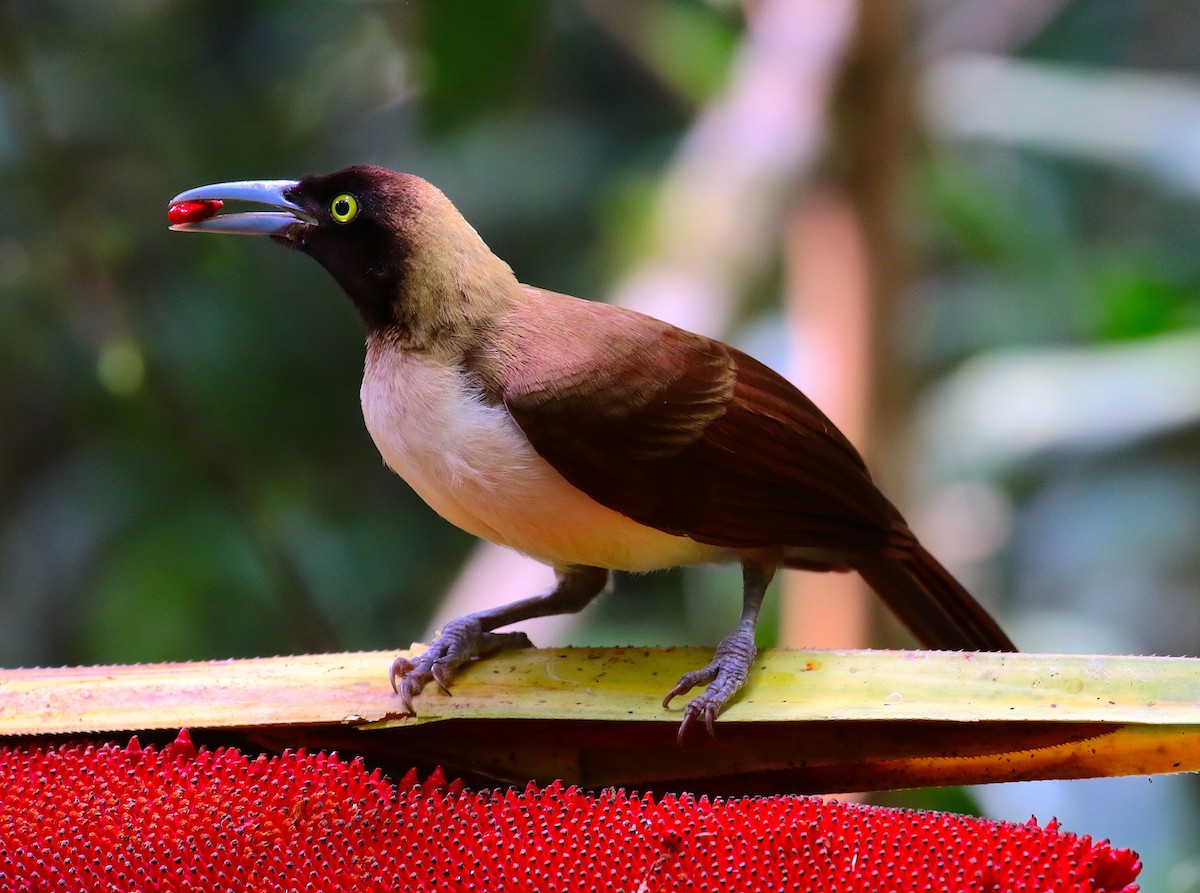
x=85, y=817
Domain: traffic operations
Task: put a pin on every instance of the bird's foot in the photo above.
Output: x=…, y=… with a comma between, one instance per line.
x=461, y=640
x=724, y=675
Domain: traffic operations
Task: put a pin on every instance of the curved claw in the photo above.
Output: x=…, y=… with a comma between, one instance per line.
x=724, y=675
x=695, y=709
x=461, y=640
x=400, y=668
x=406, y=698
x=441, y=675
x=690, y=680
x=409, y=677
x=405, y=682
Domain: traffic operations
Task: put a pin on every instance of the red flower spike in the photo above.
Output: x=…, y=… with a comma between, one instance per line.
x=191, y=212
x=179, y=819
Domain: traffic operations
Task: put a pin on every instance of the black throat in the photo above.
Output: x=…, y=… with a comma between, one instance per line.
x=370, y=271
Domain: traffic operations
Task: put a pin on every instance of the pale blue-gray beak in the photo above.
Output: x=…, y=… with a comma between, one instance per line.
x=248, y=223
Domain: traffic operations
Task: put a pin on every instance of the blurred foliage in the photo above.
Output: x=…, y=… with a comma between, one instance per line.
x=183, y=468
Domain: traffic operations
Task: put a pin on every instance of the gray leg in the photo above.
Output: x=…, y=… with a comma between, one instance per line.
x=730, y=666
x=471, y=636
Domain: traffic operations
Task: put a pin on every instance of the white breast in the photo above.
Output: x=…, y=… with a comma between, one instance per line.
x=475, y=468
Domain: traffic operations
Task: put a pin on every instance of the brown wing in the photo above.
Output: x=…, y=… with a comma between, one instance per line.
x=683, y=433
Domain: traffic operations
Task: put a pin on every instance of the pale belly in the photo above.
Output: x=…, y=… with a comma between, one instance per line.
x=474, y=467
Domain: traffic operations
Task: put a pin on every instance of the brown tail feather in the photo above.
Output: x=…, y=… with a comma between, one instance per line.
x=932, y=604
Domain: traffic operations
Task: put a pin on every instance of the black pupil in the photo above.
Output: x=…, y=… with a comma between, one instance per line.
x=341, y=207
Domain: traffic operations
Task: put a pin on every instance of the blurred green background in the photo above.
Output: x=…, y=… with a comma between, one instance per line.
x=183, y=468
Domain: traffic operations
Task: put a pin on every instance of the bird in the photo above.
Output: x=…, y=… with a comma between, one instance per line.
x=590, y=437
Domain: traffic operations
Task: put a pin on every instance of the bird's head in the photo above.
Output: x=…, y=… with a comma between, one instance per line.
x=396, y=245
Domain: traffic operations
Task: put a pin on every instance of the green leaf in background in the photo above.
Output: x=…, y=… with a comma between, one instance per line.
x=476, y=53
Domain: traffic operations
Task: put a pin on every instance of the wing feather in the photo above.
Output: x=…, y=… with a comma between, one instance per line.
x=681, y=432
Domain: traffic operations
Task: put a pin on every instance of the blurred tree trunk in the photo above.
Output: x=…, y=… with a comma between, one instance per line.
x=848, y=262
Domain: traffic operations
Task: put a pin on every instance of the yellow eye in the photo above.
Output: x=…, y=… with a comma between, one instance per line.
x=344, y=208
